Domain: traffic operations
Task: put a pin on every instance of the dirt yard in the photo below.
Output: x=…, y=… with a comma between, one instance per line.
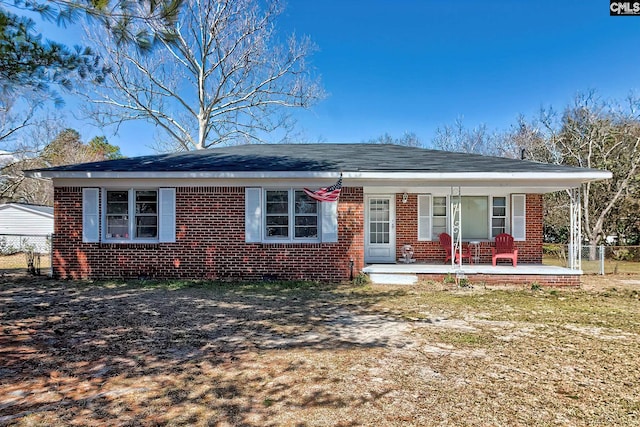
x=144, y=354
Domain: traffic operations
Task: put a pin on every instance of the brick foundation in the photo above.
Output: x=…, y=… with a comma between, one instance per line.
x=557, y=281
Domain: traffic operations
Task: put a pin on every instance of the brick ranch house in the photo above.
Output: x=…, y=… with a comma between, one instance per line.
x=239, y=213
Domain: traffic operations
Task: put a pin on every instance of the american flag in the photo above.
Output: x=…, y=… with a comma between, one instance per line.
x=328, y=194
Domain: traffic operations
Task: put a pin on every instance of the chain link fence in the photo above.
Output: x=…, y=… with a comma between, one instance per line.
x=36, y=249
x=14, y=243
x=599, y=259
x=595, y=259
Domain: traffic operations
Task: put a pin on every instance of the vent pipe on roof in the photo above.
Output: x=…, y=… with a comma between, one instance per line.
x=523, y=154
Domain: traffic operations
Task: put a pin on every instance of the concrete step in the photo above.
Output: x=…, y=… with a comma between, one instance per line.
x=393, y=278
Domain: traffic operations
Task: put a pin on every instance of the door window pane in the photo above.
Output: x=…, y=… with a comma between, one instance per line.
x=379, y=221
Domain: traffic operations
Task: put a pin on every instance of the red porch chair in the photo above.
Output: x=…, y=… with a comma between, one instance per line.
x=445, y=242
x=504, y=249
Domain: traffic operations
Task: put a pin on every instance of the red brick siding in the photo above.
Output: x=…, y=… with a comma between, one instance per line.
x=209, y=243
x=529, y=252
x=558, y=281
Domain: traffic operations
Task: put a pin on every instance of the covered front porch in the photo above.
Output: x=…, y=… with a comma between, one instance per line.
x=523, y=274
x=471, y=217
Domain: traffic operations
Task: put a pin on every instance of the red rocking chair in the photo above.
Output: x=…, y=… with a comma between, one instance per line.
x=504, y=249
x=445, y=242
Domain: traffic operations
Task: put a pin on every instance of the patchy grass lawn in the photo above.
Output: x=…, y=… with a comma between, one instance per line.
x=611, y=266
x=18, y=262
x=183, y=353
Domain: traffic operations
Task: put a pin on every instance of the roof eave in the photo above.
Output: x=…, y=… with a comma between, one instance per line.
x=578, y=176
x=24, y=208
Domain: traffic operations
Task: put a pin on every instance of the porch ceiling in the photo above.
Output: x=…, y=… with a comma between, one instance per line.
x=479, y=188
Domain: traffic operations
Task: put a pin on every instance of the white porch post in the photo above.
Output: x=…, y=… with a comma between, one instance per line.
x=456, y=226
x=575, y=231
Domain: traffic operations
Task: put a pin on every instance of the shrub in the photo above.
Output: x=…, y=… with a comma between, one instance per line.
x=465, y=283
x=6, y=248
x=361, y=280
x=449, y=279
x=622, y=254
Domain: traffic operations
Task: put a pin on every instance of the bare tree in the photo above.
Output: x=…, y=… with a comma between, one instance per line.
x=226, y=77
x=590, y=133
x=29, y=61
x=66, y=147
x=408, y=139
x=25, y=126
x=524, y=140
x=596, y=133
x=16, y=114
x=458, y=138
x=33, y=69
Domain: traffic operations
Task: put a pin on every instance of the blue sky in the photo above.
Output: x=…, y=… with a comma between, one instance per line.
x=414, y=65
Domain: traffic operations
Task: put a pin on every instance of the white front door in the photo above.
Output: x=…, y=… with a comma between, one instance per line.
x=380, y=234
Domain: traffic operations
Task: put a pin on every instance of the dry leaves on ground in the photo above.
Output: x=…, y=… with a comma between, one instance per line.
x=275, y=354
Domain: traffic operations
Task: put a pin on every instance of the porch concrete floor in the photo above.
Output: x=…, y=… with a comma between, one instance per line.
x=522, y=269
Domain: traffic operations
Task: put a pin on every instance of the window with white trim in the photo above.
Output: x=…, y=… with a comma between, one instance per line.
x=483, y=217
x=475, y=217
x=424, y=217
x=131, y=214
x=290, y=215
x=498, y=216
x=439, y=221
x=305, y=216
x=277, y=214
x=519, y=217
x=117, y=215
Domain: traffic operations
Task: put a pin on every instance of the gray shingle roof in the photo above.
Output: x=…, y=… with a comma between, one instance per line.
x=315, y=158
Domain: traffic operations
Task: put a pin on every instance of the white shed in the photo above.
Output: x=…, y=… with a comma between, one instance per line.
x=22, y=224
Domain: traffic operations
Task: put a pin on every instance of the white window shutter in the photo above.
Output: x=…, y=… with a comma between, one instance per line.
x=252, y=215
x=90, y=215
x=167, y=222
x=329, y=221
x=424, y=217
x=518, y=217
